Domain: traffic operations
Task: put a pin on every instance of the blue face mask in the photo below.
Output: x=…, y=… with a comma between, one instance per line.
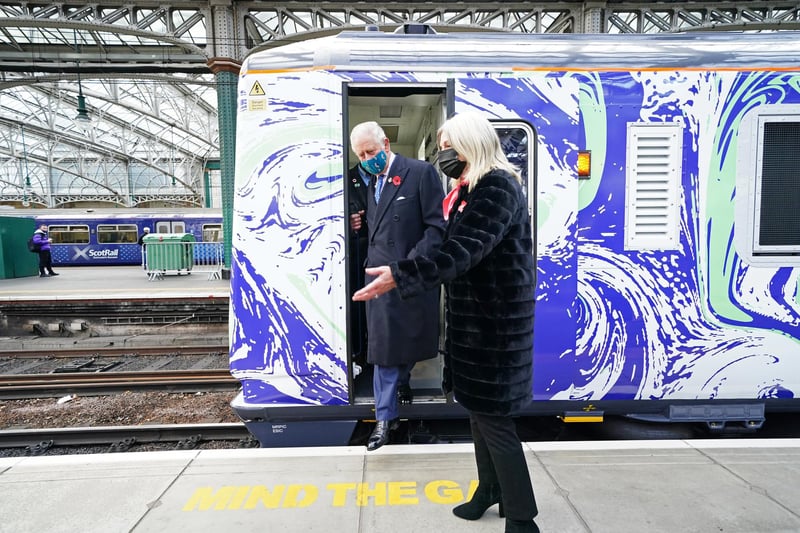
x=376, y=164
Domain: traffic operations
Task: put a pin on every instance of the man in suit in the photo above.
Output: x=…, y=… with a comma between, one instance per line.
x=404, y=217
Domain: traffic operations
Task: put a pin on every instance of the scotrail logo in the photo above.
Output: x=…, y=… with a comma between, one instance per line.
x=87, y=254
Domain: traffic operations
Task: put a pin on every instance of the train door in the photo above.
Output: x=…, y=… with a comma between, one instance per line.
x=409, y=114
x=170, y=226
x=544, y=143
x=288, y=277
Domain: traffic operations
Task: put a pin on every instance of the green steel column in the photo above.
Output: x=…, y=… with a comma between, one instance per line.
x=226, y=54
x=226, y=106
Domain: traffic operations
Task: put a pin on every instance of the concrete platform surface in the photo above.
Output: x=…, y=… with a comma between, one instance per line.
x=111, y=282
x=703, y=486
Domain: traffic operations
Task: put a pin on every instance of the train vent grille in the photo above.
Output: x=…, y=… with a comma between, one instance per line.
x=652, y=186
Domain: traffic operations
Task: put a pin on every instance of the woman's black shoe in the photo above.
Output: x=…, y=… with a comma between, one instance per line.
x=481, y=500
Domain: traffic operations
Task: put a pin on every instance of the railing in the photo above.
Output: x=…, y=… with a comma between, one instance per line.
x=160, y=258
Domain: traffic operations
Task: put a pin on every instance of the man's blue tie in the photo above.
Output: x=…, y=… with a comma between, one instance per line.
x=379, y=186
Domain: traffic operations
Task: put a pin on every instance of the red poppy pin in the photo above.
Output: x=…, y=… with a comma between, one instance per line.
x=396, y=181
x=462, y=206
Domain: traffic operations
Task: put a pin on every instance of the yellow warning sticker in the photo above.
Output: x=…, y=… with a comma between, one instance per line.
x=259, y=104
x=257, y=90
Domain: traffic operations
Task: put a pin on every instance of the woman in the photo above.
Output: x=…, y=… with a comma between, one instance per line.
x=42, y=242
x=486, y=265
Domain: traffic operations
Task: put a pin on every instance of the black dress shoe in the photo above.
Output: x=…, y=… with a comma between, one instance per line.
x=380, y=435
x=405, y=395
x=54, y=273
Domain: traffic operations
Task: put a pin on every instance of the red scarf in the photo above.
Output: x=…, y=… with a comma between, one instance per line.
x=450, y=200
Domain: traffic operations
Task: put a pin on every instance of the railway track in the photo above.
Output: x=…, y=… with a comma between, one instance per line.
x=22, y=386
x=114, y=351
x=122, y=438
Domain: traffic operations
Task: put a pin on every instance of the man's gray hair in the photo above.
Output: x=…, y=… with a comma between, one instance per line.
x=368, y=130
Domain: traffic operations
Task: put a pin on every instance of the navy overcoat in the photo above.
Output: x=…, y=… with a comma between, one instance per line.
x=405, y=223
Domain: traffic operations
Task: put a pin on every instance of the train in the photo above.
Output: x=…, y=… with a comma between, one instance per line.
x=109, y=236
x=661, y=177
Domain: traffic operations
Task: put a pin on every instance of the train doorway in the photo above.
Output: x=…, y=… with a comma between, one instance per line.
x=410, y=115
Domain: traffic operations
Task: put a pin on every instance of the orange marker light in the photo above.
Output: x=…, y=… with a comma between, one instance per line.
x=584, y=163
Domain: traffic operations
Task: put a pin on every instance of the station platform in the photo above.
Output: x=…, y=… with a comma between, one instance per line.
x=116, y=301
x=703, y=486
x=111, y=282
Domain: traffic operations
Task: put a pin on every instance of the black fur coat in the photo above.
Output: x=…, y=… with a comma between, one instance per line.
x=486, y=264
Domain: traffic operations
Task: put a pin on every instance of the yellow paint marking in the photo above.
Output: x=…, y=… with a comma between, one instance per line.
x=377, y=494
x=582, y=418
x=340, y=492
x=444, y=491
x=364, y=493
x=230, y=498
x=403, y=493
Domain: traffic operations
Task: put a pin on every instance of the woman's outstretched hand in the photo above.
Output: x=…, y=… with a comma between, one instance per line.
x=383, y=283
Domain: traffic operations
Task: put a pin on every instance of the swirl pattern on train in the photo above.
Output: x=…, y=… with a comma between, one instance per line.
x=692, y=322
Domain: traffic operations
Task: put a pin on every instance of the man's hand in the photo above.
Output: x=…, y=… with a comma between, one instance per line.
x=355, y=220
x=383, y=282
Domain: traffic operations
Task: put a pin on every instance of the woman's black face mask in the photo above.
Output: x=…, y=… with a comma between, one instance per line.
x=449, y=163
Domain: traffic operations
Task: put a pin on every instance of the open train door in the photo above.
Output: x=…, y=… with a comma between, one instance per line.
x=288, y=345
x=537, y=119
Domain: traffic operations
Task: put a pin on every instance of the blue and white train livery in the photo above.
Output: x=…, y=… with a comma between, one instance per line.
x=668, y=272
x=106, y=236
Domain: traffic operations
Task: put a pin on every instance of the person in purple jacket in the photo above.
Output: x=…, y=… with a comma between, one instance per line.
x=42, y=240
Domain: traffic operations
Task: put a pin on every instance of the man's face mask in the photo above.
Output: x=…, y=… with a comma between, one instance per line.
x=376, y=164
x=449, y=163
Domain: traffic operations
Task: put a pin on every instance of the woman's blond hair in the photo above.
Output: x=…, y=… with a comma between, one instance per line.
x=473, y=137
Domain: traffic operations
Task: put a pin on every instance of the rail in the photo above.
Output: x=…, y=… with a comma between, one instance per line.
x=106, y=351
x=21, y=386
x=82, y=436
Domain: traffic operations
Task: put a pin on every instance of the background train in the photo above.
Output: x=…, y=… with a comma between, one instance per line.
x=110, y=236
x=668, y=270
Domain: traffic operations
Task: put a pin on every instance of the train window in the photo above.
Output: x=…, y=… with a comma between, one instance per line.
x=777, y=220
x=516, y=140
x=767, y=229
x=170, y=226
x=212, y=232
x=117, y=233
x=69, y=234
